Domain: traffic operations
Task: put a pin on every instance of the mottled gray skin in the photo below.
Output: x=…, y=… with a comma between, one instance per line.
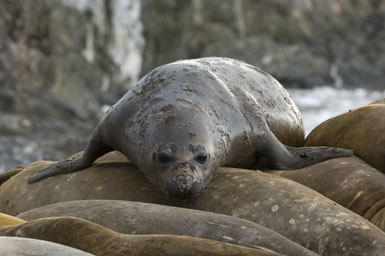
x=129, y=217
x=100, y=241
x=27, y=246
x=185, y=119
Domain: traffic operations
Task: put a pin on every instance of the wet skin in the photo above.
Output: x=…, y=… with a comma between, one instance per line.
x=185, y=119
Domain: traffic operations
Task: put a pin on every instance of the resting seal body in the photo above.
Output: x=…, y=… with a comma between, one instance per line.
x=279, y=204
x=350, y=182
x=28, y=246
x=361, y=129
x=98, y=240
x=184, y=119
x=128, y=217
x=8, y=220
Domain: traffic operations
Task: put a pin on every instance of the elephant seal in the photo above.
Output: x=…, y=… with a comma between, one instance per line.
x=279, y=204
x=361, y=129
x=129, y=217
x=28, y=246
x=8, y=174
x=185, y=119
x=379, y=101
x=7, y=220
x=98, y=240
x=350, y=182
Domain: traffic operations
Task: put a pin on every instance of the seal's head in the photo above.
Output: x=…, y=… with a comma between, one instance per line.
x=183, y=169
x=179, y=155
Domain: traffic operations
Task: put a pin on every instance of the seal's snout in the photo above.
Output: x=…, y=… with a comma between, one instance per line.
x=179, y=190
x=183, y=187
x=184, y=182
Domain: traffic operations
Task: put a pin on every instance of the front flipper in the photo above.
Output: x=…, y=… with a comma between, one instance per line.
x=61, y=167
x=95, y=149
x=283, y=157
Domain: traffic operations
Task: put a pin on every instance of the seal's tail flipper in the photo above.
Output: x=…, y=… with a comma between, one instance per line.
x=283, y=157
x=306, y=156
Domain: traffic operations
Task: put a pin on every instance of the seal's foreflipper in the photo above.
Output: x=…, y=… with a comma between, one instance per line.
x=283, y=157
x=61, y=167
x=95, y=149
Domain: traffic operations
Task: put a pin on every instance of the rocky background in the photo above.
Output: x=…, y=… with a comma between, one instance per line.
x=301, y=42
x=62, y=62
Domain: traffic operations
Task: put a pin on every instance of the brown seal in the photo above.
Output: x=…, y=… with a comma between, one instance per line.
x=129, y=217
x=284, y=206
x=4, y=176
x=361, y=129
x=7, y=220
x=185, y=119
x=350, y=182
x=98, y=240
x=379, y=101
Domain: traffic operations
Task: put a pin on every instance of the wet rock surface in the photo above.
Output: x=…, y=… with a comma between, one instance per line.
x=60, y=62
x=31, y=118
x=302, y=43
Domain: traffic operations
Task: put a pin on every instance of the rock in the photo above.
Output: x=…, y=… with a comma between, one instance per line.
x=60, y=62
x=361, y=129
x=69, y=49
x=95, y=239
x=138, y=218
x=298, y=42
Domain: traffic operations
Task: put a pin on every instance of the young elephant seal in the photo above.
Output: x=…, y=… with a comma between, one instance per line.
x=183, y=120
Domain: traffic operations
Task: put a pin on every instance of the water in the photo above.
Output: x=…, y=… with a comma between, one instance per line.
x=321, y=103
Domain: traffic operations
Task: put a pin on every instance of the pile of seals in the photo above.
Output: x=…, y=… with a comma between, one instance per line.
x=185, y=134
x=185, y=119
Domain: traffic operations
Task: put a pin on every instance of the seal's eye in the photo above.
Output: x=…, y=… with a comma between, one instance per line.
x=202, y=158
x=163, y=158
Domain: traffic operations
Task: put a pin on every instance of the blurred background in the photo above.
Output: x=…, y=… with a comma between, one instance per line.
x=64, y=62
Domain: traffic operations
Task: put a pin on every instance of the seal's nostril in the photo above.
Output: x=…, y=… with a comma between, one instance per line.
x=196, y=188
x=173, y=189
x=183, y=188
x=184, y=183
